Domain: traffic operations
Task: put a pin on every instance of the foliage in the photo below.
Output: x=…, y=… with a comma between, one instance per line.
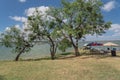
x=83, y=17
x=44, y=27
x=62, y=27
x=78, y=18
x=64, y=44
x=15, y=39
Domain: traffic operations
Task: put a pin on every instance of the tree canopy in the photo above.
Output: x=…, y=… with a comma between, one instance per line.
x=79, y=18
x=61, y=27
x=14, y=38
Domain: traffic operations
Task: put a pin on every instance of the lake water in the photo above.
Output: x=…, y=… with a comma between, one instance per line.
x=42, y=50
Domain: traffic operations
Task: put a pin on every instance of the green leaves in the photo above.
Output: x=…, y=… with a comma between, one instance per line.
x=64, y=44
x=82, y=17
x=15, y=40
x=63, y=26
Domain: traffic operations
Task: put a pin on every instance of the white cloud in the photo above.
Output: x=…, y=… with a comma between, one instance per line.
x=116, y=29
x=109, y=6
x=7, y=29
x=115, y=35
x=22, y=1
x=0, y=36
x=17, y=18
x=31, y=11
x=17, y=27
x=101, y=38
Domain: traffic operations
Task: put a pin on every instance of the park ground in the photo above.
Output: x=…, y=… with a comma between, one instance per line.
x=86, y=67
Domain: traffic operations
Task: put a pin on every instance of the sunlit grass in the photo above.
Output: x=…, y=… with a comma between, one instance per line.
x=76, y=68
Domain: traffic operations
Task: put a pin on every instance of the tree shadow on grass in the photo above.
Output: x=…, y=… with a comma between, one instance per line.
x=67, y=57
x=95, y=56
x=100, y=56
x=2, y=78
x=70, y=55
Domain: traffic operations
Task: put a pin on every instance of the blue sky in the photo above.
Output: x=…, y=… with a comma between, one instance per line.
x=14, y=12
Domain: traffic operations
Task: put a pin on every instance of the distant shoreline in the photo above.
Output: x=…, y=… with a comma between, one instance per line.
x=101, y=40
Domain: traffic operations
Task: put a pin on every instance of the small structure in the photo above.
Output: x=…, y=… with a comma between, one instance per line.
x=94, y=44
x=110, y=44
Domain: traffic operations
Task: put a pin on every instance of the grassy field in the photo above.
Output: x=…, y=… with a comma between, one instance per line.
x=74, y=68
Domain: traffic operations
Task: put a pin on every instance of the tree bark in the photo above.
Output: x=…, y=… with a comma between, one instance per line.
x=77, y=53
x=17, y=57
x=75, y=45
x=52, y=55
x=52, y=48
x=52, y=51
x=76, y=48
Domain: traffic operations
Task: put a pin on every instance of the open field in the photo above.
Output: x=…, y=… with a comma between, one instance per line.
x=75, y=68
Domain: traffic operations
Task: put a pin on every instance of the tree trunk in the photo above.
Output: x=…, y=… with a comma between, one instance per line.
x=52, y=48
x=75, y=45
x=52, y=52
x=52, y=55
x=17, y=57
x=77, y=53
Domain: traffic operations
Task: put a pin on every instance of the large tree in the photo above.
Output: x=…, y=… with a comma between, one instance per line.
x=44, y=27
x=78, y=18
x=15, y=38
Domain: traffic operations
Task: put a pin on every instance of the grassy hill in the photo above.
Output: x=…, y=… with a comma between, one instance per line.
x=76, y=68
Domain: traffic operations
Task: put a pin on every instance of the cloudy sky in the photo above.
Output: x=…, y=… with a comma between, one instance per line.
x=14, y=12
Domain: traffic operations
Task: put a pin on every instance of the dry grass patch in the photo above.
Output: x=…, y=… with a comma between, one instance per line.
x=78, y=68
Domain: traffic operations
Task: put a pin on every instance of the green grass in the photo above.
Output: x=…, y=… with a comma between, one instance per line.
x=76, y=68
x=66, y=53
